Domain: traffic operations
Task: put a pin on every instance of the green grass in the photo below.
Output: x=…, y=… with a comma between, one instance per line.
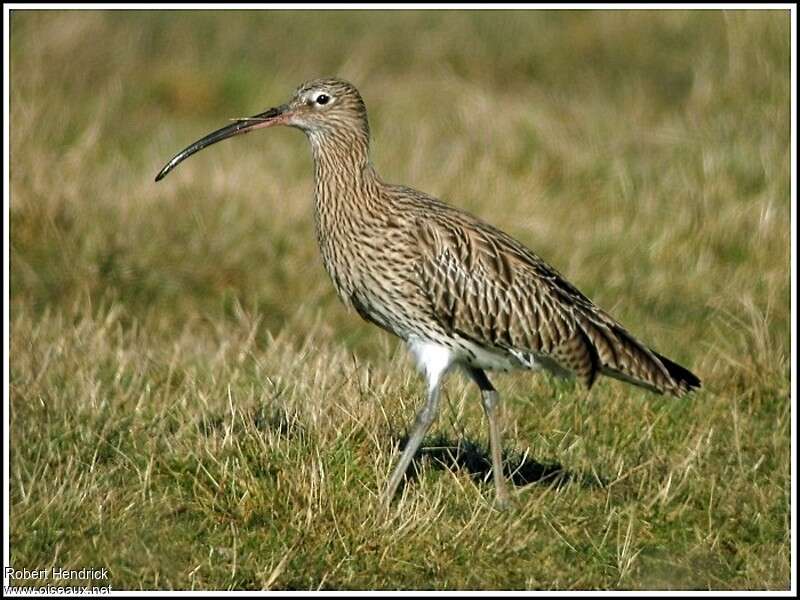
x=191, y=407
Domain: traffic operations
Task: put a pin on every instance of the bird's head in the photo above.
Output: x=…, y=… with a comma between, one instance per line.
x=328, y=106
x=326, y=110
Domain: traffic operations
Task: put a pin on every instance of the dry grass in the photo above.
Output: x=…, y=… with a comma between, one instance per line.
x=192, y=408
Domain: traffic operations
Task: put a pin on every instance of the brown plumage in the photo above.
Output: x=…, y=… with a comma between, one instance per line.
x=457, y=290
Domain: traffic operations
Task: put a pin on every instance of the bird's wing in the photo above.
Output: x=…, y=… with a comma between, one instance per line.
x=485, y=286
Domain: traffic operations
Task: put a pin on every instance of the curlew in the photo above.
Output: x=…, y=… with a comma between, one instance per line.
x=458, y=291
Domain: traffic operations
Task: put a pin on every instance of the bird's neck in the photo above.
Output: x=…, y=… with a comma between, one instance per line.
x=347, y=199
x=345, y=181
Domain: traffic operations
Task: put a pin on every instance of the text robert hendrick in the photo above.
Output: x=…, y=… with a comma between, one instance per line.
x=57, y=573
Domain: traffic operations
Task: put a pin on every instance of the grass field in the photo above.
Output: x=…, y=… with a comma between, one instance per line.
x=190, y=405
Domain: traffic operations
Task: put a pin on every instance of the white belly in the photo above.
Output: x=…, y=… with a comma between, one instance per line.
x=435, y=359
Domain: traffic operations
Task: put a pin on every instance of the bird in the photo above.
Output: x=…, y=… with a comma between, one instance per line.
x=462, y=294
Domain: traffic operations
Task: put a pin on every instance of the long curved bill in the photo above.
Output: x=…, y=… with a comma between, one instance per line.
x=273, y=116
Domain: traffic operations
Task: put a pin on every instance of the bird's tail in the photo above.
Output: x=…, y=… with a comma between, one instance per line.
x=684, y=379
x=622, y=356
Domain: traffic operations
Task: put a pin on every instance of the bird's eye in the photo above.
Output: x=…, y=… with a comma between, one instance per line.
x=323, y=99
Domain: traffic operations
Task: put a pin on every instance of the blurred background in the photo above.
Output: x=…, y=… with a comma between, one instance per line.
x=645, y=154
x=648, y=150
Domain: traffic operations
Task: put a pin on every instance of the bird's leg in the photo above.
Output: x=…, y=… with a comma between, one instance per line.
x=422, y=423
x=491, y=403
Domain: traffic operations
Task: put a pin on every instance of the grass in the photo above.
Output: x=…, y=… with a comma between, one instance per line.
x=191, y=407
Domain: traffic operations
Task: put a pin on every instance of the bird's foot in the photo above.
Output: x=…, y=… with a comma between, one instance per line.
x=384, y=508
x=502, y=499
